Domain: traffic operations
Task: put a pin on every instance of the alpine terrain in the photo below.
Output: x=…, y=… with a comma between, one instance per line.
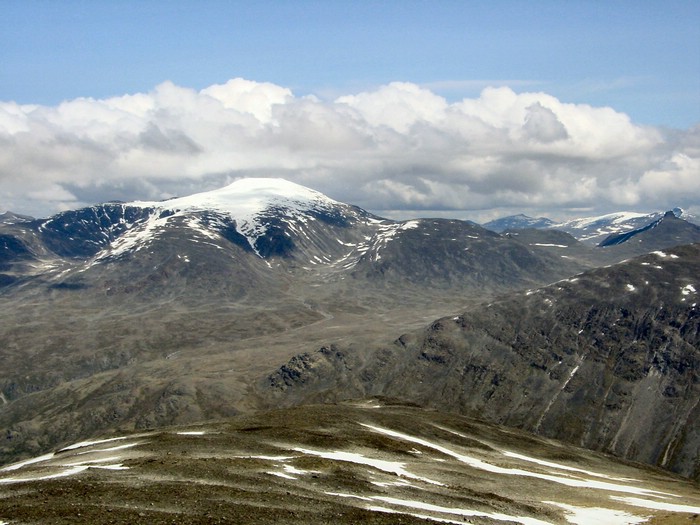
x=238, y=310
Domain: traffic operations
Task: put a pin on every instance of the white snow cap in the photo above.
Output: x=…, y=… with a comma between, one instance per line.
x=247, y=197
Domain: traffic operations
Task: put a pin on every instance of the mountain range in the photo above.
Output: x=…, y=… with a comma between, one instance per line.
x=590, y=230
x=126, y=317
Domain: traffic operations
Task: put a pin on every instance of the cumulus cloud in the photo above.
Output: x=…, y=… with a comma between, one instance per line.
x=542, y=125
x=398, y=147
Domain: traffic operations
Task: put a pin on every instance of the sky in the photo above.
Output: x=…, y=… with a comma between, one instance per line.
x=467, y=109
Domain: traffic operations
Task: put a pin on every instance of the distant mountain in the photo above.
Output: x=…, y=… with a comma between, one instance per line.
x=595, y=230
x=668, y=227
x=591, y=230
x=371, y=461
x=12, y=218
x=607, y=359
x=517, y=222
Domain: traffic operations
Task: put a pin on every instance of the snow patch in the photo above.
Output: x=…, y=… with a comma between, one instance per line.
x=291, y=472
x=488, y=467
x=281, y=475
x=688, y=289
x=560, y=466
x=664, y=254
x=82, y=444
x=460, y=512
x=267, y=458
x=65, y=473
x=393, y=467
x=657, y=505
x=111, y=449
x=21, y=464
x=596, y=515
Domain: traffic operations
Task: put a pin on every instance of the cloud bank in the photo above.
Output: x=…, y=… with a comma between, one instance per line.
x=399, y=148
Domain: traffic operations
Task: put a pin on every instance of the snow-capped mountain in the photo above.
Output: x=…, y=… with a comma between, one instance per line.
x=255, y=213
x=280, y=223
x=591, y=230
x=669, y=227
x=255, y=207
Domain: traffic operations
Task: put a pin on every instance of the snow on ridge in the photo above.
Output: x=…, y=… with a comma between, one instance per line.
x=657, y=505
x=476, y=463
x=384, y=234
x=663, y=254
x=22, y=464
x=393, y=467
x=591, y=515
x=83, y=444
x=611, y=218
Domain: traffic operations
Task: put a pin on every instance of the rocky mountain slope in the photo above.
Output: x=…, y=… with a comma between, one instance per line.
x=607, y=359
x=370, y=461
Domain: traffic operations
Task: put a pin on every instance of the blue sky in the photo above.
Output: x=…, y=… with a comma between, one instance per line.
x=640, y=57
x=407, y=108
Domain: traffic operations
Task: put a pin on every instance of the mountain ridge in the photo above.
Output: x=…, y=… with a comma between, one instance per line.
x=591, y=230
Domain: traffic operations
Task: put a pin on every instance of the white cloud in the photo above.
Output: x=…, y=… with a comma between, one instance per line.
x=542, y=125
x=400, y=146
x=246, y=96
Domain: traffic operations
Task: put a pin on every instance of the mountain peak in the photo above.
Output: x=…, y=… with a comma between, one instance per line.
x=10, y=218
x=247, y=196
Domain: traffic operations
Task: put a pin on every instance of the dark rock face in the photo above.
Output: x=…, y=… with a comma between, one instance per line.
x=12, y=249
x=608, y=360
x=84, y=232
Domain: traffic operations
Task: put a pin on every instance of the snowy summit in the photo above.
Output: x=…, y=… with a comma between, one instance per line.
x=248, y=202
x=246, y=198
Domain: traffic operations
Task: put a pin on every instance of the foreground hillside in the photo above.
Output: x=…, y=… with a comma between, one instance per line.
x=608, y=359
x=365, y=462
